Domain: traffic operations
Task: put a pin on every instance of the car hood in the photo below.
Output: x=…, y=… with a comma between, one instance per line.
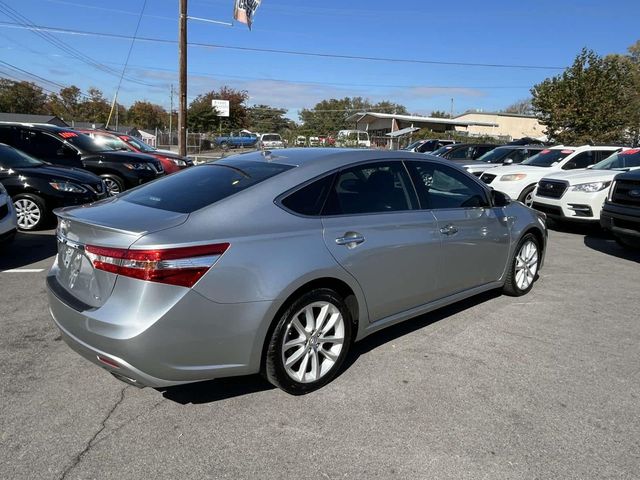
x=584, y=176
x=58, y=173
x=167, y=154
x=505, y=169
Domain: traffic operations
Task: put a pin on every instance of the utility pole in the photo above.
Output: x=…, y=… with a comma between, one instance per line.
x=451, y=112
x=171, y=117
x=182, y=58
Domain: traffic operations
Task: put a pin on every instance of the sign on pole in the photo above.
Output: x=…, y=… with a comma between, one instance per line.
x=244, y=10
x=221, y=106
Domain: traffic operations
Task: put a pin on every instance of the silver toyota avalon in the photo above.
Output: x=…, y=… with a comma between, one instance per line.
x=277, y=262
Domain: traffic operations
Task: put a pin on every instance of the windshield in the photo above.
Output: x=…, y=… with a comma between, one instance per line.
x=271, y=138
x=626, y=159
x=138, y=144
x=413, y=145
x=109, y=142
x=83, y=142
x=12, y=158
x=197, y=187
x=547, y=158
x=497, y=155
x=441, y=150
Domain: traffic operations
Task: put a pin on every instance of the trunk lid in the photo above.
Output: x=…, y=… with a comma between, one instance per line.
x=109, y=223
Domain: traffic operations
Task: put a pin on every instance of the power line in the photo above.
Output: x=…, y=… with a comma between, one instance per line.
x=25, y=23
x=41, y=79
x=279, y=51
x=126, y=62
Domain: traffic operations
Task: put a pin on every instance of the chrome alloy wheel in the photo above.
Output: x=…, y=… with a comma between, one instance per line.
x=528, y=199
x=312, y=342
x=526, y=265
x=113, y=188
x=28, y=213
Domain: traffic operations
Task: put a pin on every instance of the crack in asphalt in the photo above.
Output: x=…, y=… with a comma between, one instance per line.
x=78, y=458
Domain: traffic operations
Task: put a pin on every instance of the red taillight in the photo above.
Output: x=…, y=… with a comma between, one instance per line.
x=182, y=266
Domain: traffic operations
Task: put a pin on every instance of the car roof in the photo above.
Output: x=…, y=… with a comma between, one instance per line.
x=40, y=126
x=328, y=157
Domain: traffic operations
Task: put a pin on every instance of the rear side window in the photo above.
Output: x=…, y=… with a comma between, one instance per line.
x=198, y=187
x=371, y=188
x=309, y=199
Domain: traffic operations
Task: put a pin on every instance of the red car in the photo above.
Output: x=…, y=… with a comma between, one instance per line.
x=171, y=162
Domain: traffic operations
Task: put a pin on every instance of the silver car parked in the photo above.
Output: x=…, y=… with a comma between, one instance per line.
x=277, y=262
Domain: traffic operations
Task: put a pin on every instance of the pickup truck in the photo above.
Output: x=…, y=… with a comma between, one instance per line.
x=236, y=140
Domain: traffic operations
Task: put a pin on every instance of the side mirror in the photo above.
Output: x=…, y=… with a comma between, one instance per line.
x=507, y=161
x=570, y=165
x=500, y=199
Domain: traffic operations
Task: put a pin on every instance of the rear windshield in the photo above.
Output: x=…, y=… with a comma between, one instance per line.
x=271, y=138
x=547, y=158
x=497, y=155
x=198, y=187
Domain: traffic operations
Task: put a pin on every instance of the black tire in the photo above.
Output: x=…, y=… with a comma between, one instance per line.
x=525, y=193
x=30, y=202
x=510, y=283
x=275, y=371
x=115, y=184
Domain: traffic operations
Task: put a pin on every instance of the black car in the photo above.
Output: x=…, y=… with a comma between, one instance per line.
x=621, y=211
x=427, y=145
x=36, y=187
x=64, y=147
x=464, y=151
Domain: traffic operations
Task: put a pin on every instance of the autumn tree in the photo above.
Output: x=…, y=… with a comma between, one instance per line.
x=95, y=108
x=520, y=107
x=263, y=118
x=202, y=117
x=147, y=115
x=22, y=97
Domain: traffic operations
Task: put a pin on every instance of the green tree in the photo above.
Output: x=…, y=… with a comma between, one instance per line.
x=202, y=117
x=589, y=101
x=147, y=115
x=95, y=108
x=263, y=118
x=67, y=104
x=439, y=114
x=22, y=97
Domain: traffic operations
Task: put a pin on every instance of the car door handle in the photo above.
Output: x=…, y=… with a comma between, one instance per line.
x=449, y=230
x=350, y=239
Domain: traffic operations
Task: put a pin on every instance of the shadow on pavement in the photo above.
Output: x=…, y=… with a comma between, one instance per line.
x=611, y=247
x=215, y=390
x=28, y=248
x=224, y=388
x=408, y=326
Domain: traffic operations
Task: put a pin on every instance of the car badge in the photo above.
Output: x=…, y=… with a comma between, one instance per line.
x=634, y=193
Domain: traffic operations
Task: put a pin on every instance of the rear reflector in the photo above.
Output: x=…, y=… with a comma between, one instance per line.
x=108, y=361
x=182, y=266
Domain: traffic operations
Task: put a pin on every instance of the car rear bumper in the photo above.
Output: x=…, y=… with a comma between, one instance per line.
x=188, y=340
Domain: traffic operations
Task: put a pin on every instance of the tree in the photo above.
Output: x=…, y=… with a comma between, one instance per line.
x=520, y=107
x=95, y=108
x=331, y=115
x=67, y=103
x=147, y=115
x=263, y=118
x=22, y=97
x=439, y=114
x=589, y=101
x=202, y=117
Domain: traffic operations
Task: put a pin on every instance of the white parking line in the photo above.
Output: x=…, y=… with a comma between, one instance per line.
x=23, y=270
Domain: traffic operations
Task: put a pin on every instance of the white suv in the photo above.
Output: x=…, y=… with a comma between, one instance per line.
x=579, y=195
x=519, y=181
x=270, y=141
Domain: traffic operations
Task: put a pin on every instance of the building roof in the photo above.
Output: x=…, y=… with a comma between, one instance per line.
x=498, y=114
x=28, y=118
x=370, y=116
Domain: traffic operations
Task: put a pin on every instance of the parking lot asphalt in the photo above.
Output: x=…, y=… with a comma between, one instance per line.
x=545, y=386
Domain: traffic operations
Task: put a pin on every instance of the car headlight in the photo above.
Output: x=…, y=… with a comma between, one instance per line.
x=137, y=166
x=178, y=162
x=590, y=187
x=513, y=177
x=68, y=187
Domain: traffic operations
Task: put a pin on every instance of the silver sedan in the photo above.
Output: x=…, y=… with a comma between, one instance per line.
x=277, y=262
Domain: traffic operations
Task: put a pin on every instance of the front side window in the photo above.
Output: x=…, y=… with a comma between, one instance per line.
x=463, y=153
x=371, y=188
x=442, y=187
x=582, y=160
x=41, y=145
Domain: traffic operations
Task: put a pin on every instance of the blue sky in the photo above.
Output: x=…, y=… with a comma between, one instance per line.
x=541, y=33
